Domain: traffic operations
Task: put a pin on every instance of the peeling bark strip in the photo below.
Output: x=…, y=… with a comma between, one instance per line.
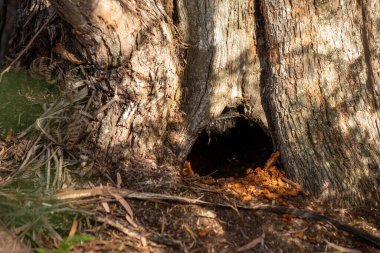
x=324, y=93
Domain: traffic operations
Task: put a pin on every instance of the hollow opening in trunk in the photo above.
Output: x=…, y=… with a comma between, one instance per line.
x=229, y=153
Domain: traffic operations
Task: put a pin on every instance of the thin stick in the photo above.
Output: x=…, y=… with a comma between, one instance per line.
x=26, y=48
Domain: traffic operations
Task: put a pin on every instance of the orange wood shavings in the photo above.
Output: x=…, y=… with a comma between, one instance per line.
x=269, y=182
x=187, y=170
x=272, y=160
x=246, y=197
x=202, y=233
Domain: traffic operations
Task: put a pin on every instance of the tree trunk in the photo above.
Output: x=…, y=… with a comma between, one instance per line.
x=323, y=92
x=308, y=72
x=8, y=14
x=223, y=67
x=135, y=51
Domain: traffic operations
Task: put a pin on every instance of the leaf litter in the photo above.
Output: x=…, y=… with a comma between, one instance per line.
x=168, y=220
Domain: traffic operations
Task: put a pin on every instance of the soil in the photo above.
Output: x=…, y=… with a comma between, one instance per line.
x=175, y=227
x=168, y=225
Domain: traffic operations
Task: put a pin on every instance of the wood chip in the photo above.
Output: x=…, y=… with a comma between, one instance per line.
x=272, y=160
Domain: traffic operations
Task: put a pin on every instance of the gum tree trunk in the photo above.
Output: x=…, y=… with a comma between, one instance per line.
x=323, y=92
x=133, y=45
x=307, y=71
x=223, y=67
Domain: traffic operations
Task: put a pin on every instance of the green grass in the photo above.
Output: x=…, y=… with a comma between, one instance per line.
x=29, y=210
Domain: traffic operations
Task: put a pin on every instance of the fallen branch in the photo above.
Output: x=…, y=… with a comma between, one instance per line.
x=299, y=213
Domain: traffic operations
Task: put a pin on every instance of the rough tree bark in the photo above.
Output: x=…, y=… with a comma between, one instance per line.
x=308, y=71
x=223, y=67
x=135, y=49
x=323, y=90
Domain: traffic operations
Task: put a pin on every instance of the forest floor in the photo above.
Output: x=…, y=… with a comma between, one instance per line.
x=239, y=222
x=262, y=211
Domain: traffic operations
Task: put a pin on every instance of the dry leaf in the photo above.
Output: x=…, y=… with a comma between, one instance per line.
x=10, y=243
x=299, y=234
x=130, y=221
x=73, y=229
x=106, y=207
x=144, y=242
x=122, y=201
x=271, y=195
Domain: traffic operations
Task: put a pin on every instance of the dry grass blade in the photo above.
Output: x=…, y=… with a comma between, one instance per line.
x=252, y=243
x=30, y=157
x=130, y=221
x=45, y=132
x=118, y=180
x=58, y=124
x=153, y=237
x=48, y=168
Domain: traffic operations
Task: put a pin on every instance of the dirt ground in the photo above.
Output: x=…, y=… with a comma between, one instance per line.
x=261, y=211
x=170, y=226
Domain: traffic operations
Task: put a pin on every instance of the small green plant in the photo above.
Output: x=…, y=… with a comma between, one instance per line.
x=67, y=244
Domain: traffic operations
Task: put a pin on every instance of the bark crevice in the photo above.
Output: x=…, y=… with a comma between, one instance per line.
x=367, y=56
